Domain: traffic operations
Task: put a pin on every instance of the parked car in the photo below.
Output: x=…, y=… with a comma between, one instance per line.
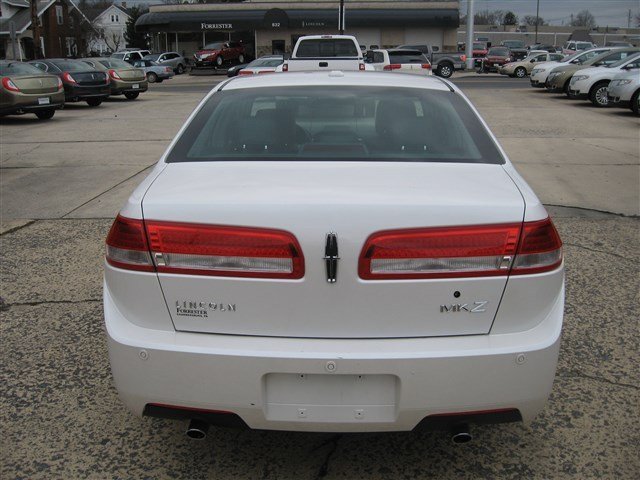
x=516, y=47
x=541, y=71
x=325, y=52
x=572, y=46
x=26, y=89
x=82, y=83
x=543, y=46
x=125, y=79
x=265, y=64
x=339, y=189
x=619, y=44
x=624, y=90
x=233, y=71
x=559, y=78
x=480, y=50
x=130, y=55
x=592, y=83
x=443, y=64
x=496, y=58
x=171, y=59
x=153, y=71
x=218, y=53
x=524, y=67
x=400, y=61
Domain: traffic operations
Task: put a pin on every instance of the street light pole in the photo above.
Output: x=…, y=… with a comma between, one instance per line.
x=537, y=19
x=469, y=49
x=341, y=18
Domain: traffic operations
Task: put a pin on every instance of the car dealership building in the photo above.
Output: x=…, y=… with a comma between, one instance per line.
x=274, y=26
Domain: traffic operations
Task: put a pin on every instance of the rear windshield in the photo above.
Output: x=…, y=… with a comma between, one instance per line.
x=18, y=68
x=320, y=123
x=327, y=47
x=213, y=46
x=499, y=51
x=118, y=55
x=153, y=56
x=407, y=57
x=115, y=63
x=266, y=62
x=71, y=65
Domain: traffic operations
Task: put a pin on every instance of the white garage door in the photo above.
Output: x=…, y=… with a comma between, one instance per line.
x=424, y=36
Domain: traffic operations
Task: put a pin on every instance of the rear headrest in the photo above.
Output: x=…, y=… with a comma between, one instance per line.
x=390, y=112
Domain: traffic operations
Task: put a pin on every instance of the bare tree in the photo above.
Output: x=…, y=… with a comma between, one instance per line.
x=584, y=19
x=531, y=20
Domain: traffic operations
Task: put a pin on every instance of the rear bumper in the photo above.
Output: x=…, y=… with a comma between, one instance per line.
x=120, y=87
x=74, y=93
x=29, y=103
x=431, y=377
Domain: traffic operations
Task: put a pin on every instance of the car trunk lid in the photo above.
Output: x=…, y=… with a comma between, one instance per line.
x=352, y=200
x=89, y=78
x=131, y=74
x=36, y=84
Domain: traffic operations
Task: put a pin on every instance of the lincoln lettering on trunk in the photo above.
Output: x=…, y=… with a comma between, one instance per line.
x=192, y=308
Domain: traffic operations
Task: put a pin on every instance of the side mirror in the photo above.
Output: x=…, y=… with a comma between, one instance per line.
x=435, y=49
x=533, y=60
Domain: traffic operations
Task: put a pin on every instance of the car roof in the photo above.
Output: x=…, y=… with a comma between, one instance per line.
x=355, y=79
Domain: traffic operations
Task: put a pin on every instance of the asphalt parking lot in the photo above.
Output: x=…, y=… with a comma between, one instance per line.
x=63, y=181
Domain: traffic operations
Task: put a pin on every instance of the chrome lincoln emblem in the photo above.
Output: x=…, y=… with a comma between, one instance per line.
x=40, y=82
x=331, y=257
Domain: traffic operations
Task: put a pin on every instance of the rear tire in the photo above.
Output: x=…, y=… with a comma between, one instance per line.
x=94, y=102
x=131, y=95
x=521, y=72
x=240, y=58
x=219, y=61
x=445, y=70
x=635, y=103
x=152, y=77
x=180, y=70
x=45, y=114
x=598, y=94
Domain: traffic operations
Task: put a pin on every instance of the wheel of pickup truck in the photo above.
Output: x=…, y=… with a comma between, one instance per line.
x=180, y=70
x=445, y=70
x=521, y=72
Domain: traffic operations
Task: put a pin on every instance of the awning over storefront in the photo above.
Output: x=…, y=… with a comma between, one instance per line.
x=276, y=19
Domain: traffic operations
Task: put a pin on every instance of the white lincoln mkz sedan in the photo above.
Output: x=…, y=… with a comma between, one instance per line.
x=335, y=252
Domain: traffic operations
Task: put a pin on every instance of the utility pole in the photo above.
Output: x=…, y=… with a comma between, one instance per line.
x=537, y=19
x=469, y=49
x=341, y=18
x=35, y=28
x=629, y=19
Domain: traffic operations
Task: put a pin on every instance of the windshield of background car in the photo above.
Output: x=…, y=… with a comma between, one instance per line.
x=327, y=47
x=407, y=57
x=479, y=46
x=72, y=66
x=213, y=46
x=115, y=63
x=118, y=55
x=583, y=46
x=266, y=62
x=19, y=68
x=514, y=44
x=499, y=52
x=625, y=58
x=152, y=57
x=321, y=123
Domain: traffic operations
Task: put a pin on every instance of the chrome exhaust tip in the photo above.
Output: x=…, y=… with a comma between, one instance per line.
x=197, y=429
x=460, y=434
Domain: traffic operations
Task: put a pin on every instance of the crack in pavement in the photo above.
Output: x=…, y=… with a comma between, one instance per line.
x=324, y=467
x=634, y=216
x=601, y=251
x=6, y=306
x=18, y=227
x=576, y=373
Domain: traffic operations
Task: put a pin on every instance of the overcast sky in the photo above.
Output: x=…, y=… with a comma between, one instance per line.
x=607, y=12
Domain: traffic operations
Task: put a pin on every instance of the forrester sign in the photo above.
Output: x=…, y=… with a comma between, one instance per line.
x=216, y=26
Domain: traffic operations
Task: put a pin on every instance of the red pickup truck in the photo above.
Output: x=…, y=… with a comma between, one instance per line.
x=496, y=57
x=219, y=53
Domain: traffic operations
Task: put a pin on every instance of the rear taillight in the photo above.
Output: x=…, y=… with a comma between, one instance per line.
x=127, y=245
x=245, y=72
x=392, y=66
x=361, y=67
x=427, y=66
x=540, y=248
x=67, y=78
x=167, y=69
x=224, y=251
x=463, y=58
x=265, y=71
x=8, y=84
x=60, y=85
x=475, y=251
x=113, y=74
x=285, y=67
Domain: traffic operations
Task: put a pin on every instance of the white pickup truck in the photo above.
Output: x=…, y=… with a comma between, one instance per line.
x=325, y=52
